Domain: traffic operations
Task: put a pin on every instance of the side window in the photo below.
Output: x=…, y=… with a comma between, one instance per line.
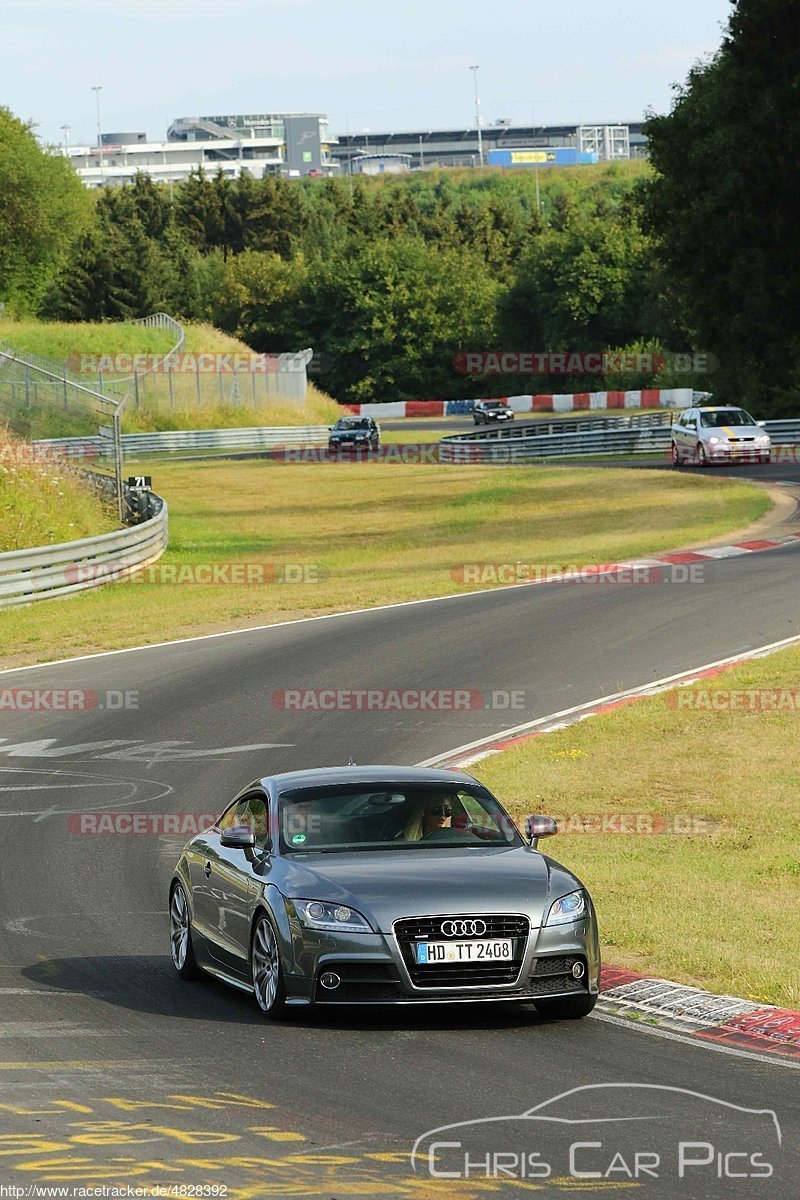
x=251, y=811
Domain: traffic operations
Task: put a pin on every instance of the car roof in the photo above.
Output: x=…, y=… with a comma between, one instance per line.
x=718, y=407
x=319, y=776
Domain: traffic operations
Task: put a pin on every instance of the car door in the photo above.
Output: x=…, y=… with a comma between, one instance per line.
x=228, y=894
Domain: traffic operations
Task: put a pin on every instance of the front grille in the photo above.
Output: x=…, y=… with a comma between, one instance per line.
x=411, y=930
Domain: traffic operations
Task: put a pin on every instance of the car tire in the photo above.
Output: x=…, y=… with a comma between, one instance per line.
x=566, y=1008
x=766, y=458
x=266, y=970
x=180, y=934
x=677, y=461
x=700, y=453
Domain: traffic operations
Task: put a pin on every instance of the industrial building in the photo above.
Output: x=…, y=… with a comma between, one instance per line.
x=296, y=145
x=460, y=147
x=291, y=144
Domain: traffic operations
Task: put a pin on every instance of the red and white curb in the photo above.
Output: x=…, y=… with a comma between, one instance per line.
x=723, y=1020
x=635, y=570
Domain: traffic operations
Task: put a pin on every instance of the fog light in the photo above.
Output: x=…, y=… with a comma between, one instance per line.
x=330, y=980
x=578, y=970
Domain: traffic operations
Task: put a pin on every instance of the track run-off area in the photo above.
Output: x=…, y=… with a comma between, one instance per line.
x=113, y=1072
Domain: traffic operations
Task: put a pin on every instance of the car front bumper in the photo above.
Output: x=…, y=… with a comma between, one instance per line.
x=372, y=969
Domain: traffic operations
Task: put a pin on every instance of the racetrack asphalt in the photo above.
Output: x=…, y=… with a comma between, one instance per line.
x=114, y=1071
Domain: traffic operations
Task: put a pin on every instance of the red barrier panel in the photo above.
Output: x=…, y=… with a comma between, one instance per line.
x=615, y=399
x=651, y=399
x=580, y=402
x=542, y=404
x=425, y=408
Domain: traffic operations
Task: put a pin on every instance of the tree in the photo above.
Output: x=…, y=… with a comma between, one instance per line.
x=723, y=205
x=43, y=206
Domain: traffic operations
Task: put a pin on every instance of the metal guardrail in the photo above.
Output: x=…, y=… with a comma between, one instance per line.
x=652, y=439
x=50, y=572
x=184, y=440
x=526, y=426
x=637, y=439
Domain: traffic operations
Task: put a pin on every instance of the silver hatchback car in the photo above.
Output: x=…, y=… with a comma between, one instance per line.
x=719, y=434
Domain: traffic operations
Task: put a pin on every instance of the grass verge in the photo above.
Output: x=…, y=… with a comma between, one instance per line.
x=42, y=503
x=363, y=535
x=714, y=908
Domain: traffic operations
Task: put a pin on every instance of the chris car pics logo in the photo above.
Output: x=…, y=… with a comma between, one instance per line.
x=616, y=1133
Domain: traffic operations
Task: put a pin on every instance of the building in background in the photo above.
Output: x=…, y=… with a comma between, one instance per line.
x=459, y=147
x=290, y=144
x=380, y=164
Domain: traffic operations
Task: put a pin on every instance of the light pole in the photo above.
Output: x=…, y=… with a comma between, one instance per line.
x=475, y=70
x=421, y=155
x=65, y=130
x=97, y=89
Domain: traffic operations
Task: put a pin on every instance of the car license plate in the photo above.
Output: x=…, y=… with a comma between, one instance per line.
x=501, y=949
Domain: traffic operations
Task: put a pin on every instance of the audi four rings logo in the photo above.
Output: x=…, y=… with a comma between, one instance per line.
x=463, y=928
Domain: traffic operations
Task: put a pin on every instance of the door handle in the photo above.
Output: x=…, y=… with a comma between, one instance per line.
x=208, y=870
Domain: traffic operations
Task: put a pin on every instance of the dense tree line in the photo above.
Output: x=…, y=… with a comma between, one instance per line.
x=389, y=280
x=392, y=279
x=722, y=207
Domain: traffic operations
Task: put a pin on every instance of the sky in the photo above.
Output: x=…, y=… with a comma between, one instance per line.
x=368, y=64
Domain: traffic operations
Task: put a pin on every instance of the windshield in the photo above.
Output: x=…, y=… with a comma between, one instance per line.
x=725, y=416
x=388, y=816
x=355, y=423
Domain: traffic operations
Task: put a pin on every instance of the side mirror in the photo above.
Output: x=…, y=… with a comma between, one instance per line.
x=537, y=826
x=761, y=423
x=239, y=837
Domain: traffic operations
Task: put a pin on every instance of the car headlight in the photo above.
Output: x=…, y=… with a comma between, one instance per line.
x=319, y=914
x=714, y=440
x=763, y=438
x=568, y=908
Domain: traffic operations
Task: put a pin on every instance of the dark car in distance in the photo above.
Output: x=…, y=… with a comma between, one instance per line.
x=354, y=433
x=484, y=412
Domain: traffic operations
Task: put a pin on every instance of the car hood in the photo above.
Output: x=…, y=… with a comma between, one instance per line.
x=386, y=885
x=348, y=435
x=739, y=431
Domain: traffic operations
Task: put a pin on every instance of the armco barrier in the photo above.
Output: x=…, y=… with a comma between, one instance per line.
x=134, y=445
x=504, y=430
x=637, y=439
x=638, y=435
x=49, y=572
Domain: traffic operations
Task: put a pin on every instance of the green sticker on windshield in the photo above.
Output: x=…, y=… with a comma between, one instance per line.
x=298, y=839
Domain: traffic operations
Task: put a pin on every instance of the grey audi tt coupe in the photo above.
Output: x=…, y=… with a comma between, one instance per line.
x=382, y=885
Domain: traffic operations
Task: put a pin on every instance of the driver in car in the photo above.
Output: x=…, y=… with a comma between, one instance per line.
x=434, y=814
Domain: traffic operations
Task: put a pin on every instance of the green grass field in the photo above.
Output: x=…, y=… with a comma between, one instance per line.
x=369, y=534
x=715, y=907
